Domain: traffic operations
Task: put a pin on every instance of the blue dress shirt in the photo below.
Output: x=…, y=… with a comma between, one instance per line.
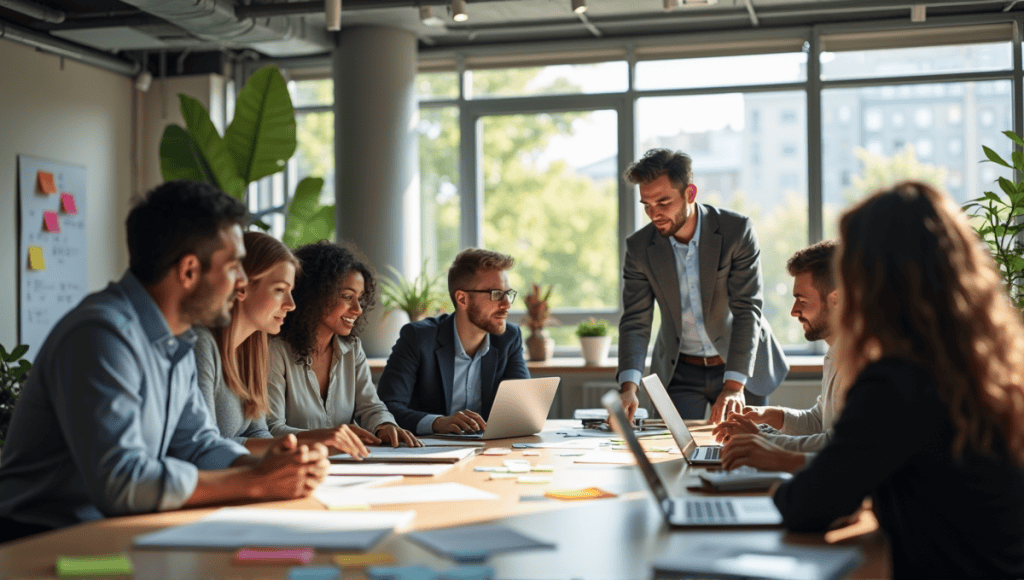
x=695, y=340
x=466, y=389
x=111, y=420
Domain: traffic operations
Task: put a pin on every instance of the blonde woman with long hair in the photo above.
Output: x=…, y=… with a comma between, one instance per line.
x=232, y=361
x=933, y=427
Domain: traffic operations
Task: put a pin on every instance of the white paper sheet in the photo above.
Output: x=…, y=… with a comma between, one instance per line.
x=412, y=469
x=430, y=492
x=610, y=457
x=412, y=454
x=359, y=481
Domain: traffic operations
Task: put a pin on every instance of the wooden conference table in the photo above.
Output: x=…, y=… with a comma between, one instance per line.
x=596, y=539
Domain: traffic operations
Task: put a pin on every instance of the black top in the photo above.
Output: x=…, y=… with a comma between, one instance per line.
x=945, y=518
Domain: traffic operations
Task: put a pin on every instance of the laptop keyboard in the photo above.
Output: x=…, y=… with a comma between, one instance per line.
x=709, y=510
x=714, y=453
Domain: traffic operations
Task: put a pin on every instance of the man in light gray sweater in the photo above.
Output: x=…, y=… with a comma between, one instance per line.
x=787, y=438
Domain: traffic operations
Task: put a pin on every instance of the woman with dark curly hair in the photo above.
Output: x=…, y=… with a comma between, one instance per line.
x=933, y=426
x=318, y=376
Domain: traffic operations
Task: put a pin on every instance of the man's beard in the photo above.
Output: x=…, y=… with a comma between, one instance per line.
x=818, y=329
x=484, y=322
x=203, y=309
x=678, y=221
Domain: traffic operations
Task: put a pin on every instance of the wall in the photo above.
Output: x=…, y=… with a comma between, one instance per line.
x=70, y=112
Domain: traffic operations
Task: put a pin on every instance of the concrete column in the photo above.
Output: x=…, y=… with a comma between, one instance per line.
x=377, y=158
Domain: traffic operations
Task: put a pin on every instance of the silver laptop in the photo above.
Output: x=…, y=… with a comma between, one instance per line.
x=693, y=511
x=694, y=454
x=520, y=408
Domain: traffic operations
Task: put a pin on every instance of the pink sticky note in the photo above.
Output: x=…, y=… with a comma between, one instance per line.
x=52, y=221
x=67, y=201
x=273, y=556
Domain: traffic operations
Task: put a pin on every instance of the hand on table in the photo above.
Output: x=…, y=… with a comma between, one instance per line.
x=342, y=438
x=730, y=400
x=289, y=470
x=393, y=435
x=759, y=453
x=735, y=425
x=464, y=421
x=630, y=401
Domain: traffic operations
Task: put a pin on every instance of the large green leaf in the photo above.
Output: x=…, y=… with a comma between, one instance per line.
x=308, y=220
x=211, y=147
x=18, y=352
x=261, y=137
x=994, y=157
x=180, y=157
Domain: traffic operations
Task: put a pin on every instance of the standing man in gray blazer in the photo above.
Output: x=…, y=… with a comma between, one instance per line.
x=702, y=266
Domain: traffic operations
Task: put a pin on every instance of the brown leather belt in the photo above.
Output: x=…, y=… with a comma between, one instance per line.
x=701, y=361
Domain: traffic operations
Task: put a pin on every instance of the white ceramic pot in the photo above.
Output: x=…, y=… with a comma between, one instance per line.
x=595, y=349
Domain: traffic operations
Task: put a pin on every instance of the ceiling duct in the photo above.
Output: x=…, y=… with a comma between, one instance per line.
x=216, y=20
x=61, y=48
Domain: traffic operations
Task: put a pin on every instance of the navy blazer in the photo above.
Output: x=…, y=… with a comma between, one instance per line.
x=417, y=380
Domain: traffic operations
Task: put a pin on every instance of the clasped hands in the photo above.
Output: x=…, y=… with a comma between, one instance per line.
x=745, y=445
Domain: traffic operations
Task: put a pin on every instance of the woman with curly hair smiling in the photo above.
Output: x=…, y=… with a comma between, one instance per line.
x=933, y=427
x=319, y=377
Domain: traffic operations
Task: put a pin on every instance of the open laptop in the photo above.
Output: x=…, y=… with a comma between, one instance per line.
x=694, y=454
x=692, y=511
x=520, y=408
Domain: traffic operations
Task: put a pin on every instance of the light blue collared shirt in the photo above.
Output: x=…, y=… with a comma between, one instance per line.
x=466, y=390
x=695, y=340
x=111, y=420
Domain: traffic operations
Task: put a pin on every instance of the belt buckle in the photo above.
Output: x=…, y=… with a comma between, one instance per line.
x=706, y=359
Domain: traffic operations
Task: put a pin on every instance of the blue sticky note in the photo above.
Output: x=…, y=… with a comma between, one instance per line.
x=314, y=573
x=401, y=573
x=468, y=573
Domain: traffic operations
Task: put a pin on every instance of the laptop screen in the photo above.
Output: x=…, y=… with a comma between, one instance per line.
x=612, y=402
x=667, y=410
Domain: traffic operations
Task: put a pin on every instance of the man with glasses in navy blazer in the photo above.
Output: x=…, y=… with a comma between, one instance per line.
x=443, y=372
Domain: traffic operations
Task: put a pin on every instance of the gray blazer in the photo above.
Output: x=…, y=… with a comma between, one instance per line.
x=731, y=296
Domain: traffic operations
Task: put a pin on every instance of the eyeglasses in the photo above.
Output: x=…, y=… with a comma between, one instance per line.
x=497, y=295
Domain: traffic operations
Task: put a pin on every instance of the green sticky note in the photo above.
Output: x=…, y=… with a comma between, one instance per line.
x=108, y=565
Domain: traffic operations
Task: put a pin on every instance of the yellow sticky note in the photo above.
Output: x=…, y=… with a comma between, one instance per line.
x=361, y=560
x=35, y=258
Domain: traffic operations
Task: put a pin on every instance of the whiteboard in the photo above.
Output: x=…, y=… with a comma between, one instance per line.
x=47, y=294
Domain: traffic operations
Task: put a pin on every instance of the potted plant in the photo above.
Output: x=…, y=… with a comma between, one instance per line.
x=538, y=315
x=999, y=222
x=594, y=341
x=258, y=142
x=13, y=373
x=417, y=297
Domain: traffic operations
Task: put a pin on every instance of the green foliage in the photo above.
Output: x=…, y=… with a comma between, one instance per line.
x=882, y=172
x=417, y=297
x=258, y=142
x=13, y=373
x=308, y=221
x=592, y=328
x=999, y=221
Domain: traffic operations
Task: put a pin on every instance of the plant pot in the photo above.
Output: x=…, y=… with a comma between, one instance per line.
x=540, y=346
x=595, y=350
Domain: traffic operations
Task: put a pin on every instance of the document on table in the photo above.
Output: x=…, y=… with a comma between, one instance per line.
x=476, y=543
x=610, y=457
x=430, y=492
x=411, y=469
x=359, y=481
x=253, y=527
x=411, y=455
x=569, y=444
x=440, y=442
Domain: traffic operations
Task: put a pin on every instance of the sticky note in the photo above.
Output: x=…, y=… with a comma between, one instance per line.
x=531, y=453
x=496, y=451
x=67, y=203
x=51, y=221
x=314, y=573
x=35, y=258
x=533, y=479
x=504, y=475
x=273, y=556
x=575, y=494
x=468, y=573
x=107, y=565
x=45, y=182
x=401, y=573
x=360, y=560
x=542, y=468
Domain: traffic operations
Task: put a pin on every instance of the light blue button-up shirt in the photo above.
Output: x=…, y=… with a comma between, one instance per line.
x=695, y=340
x=111, y=420
x=466, y=390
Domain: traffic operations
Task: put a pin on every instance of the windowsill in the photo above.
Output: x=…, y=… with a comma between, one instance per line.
x=799, y=364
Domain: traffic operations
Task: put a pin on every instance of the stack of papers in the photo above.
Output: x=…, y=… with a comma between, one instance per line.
x=411, y=455
x=431, y=492
x=254, y=527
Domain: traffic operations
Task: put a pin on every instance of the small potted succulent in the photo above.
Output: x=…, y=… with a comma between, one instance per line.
x=538, y=315
x=594, y=341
